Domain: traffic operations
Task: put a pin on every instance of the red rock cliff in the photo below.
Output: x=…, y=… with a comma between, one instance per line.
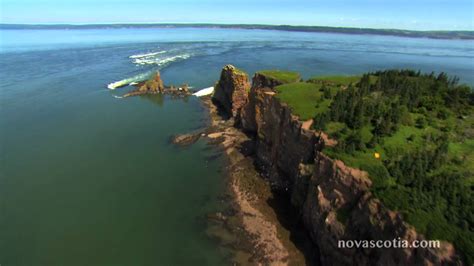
x=292, y=158
x=232, y=90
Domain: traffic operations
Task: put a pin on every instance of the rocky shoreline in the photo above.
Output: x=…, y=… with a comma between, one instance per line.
x=269, y=241
x=249, y=226
x=252, y=222
x=270, y=150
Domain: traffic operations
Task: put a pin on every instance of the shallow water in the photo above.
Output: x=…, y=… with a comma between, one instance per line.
x=89, y=179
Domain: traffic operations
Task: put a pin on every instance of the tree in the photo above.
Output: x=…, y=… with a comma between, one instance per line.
x=326, y=92
x=420, y=122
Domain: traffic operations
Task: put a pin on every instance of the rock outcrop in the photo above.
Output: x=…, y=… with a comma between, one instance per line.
x=335, y=200
x=155, y=85
x=186, y=139
x=340, y=206
x=231, y=91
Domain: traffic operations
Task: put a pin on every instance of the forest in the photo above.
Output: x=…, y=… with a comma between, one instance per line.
x=413, y=133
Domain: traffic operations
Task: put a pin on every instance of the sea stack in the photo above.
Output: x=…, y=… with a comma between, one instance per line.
x=231, y=91
x=153, y=85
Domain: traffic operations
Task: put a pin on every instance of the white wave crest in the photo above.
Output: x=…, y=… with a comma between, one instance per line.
x=132, y=80
x=160, y=61
x=204, y=92
x=146, y=55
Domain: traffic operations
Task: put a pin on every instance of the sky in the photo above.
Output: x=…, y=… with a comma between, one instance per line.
x=399, y=14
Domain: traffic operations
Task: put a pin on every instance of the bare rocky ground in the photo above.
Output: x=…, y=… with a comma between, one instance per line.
x=250, y=227
x=264, y=240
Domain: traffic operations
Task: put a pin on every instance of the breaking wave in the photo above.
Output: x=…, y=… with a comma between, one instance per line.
x=159, y=61
x=146, y=55
x=132, y=80
x=204, y=92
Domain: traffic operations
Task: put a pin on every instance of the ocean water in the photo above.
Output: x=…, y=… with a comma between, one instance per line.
x=87, y=178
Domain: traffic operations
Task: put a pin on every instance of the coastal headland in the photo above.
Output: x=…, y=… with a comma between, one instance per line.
x=279, y=144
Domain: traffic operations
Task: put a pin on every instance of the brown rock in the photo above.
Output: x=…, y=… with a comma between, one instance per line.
x=231, y=90
x=153, y=85
x=291, y=156
x=185, y=139
x=215, y=135
x=335, y=200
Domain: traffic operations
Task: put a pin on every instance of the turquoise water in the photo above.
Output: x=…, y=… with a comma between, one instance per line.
x=90, y=179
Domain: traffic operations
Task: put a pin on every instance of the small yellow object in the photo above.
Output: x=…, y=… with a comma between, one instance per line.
x=377, y=155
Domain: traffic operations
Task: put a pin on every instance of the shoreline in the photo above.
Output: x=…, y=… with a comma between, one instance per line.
x=271, y=243
x=273, y=156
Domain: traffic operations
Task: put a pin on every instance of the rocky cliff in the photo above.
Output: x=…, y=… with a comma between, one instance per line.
x=232, y=90
x=334, y=200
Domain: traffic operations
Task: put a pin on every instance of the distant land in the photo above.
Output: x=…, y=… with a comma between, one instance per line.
x=467, y=35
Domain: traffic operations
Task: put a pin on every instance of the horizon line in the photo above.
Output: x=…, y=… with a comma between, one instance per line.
x=73, y=24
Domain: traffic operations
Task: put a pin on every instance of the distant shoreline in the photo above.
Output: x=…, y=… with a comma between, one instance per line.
x=460, y=35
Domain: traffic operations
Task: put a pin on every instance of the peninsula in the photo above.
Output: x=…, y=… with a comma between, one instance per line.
x=381, y=156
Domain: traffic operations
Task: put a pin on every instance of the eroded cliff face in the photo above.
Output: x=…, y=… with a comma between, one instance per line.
x=335, y=200
x=335, y=190
x=231, y=91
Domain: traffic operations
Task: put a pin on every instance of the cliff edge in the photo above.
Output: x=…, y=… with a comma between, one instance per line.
x=334, y=200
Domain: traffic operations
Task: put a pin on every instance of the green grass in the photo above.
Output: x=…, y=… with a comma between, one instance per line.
x=462, y=148
x=303, y=98
x=463, y=152
x=424, y=209
x=240, y=71
x=334, y=127
x=340, y=80
x=282, y=76
x=335, y=80
x=407, y=138
x=366, y=161
x=366, y=133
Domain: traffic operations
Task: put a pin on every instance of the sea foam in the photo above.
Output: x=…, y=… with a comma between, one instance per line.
x=204, y=92
x=132, y=80
x=146, y=55
x=152, y=60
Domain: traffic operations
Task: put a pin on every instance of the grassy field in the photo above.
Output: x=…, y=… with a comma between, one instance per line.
x=282, y=76
x=335, y=80
x=464, y=152
x=305, y=99
x=412, y=138
x=407, y=138
x=366, y=161
x=334, y=127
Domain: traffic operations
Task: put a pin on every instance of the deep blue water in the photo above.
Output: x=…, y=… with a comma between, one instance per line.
x=89, y=179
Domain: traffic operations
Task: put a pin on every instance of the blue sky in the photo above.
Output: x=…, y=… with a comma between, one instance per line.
x=402, y=14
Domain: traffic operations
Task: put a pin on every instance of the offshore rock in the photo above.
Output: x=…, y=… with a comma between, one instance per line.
x=231, y=90
x=185, y=139
x=153, y=85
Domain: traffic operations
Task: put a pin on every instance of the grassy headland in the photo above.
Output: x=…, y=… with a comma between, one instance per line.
x=281, y=76
x=412, y=132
